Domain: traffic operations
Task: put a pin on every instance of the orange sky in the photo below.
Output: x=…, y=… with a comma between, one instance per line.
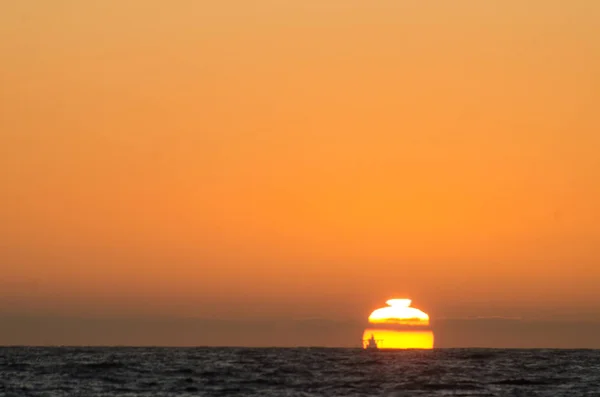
x=299, y=158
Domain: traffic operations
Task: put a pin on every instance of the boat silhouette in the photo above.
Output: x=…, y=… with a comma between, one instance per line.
x=372, y=344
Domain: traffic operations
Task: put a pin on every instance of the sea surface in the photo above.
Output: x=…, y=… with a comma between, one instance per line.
x=63, y=371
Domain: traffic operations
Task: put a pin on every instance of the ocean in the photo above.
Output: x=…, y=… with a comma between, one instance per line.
x=123, y=371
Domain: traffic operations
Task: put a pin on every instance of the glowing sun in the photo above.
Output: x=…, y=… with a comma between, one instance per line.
x=398, y=326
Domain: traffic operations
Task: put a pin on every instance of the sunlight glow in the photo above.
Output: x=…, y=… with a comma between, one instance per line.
x=392, y=339
x=398, y=326
x=399, y=312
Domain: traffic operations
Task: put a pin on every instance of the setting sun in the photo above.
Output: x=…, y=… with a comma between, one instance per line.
x=398, y=326
x=399, y=312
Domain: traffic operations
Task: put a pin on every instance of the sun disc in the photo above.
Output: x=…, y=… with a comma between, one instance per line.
x=398, y=326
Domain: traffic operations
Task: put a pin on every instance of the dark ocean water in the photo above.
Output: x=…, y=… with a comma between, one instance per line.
x=296, y=372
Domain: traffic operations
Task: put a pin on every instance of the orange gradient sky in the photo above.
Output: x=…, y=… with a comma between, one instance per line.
x=235, y=158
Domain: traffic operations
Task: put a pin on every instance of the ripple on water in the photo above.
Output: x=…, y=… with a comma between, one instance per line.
x=290, y=372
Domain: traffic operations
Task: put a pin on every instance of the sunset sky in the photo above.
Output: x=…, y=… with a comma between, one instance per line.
x=292, y=159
